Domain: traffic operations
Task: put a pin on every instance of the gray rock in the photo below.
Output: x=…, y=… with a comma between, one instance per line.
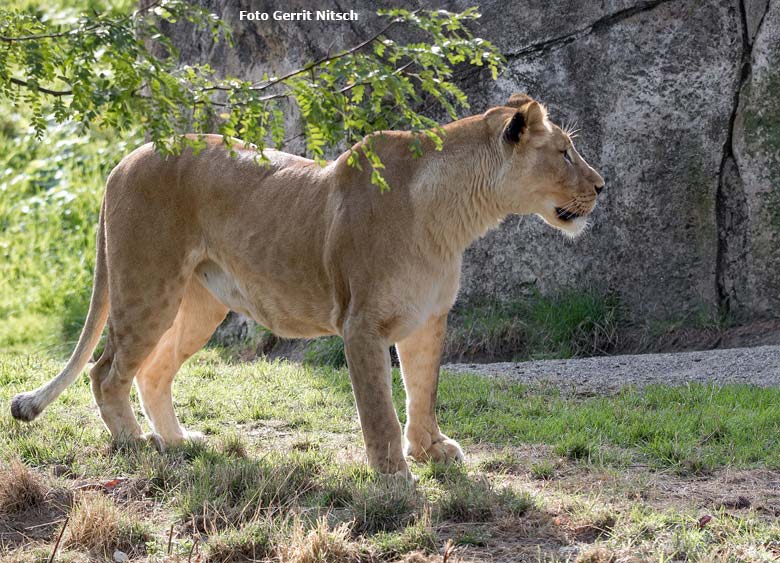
x=754, y=13
x=235, y=329
x=647, y=87
x=678, y=107
x=756, y=168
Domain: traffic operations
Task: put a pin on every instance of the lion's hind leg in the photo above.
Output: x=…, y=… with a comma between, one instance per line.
x=114, y=403
x=198, y=316
x=136, y=326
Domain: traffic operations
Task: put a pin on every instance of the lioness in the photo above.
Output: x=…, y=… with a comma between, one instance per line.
x=306, y=251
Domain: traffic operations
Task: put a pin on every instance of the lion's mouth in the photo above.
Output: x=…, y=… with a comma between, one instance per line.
x=566, y=215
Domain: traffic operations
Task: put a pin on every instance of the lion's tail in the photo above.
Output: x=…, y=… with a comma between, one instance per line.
x=27, y=406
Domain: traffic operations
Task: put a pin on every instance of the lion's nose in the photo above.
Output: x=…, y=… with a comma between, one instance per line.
x=599, y=188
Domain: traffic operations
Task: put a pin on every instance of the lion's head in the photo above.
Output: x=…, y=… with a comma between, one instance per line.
x=546, y=175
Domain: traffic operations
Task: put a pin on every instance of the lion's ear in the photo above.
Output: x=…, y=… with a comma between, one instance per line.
x=518, y=100
x=514, y=128
x=535, y=115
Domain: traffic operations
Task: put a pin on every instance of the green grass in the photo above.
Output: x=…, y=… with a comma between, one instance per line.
x=327, y=351
x=543, y=470
x=568, y=324
x=50, y=193
x=565, y=325
x=666, y=426
x=284, y=451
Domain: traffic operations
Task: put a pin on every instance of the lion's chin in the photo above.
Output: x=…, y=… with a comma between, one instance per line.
x=575, y=227
x=571, y=228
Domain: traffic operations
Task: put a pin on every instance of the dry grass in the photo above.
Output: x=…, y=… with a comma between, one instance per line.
x=98, y=526
x=258, y=495
x=321, y=543
x=385, y=505
x=234, y=445
x=20, y=488
x=596, y=554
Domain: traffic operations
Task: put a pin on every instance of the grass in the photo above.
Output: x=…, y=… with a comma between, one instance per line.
x=252, y=541
x=282, y=475
x=569, y=324
x=99, y=527
x=22, y=488
x=327, y=351
x=543, y=470
x=49, y=204
x=50, y=193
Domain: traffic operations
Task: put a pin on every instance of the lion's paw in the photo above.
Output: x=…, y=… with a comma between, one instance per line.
x=194, y=436
x=161, y=443
x=446, y=450
x=155, y=440
x=441, y=449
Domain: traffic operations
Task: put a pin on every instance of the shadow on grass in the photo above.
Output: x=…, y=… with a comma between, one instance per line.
x=264, y=505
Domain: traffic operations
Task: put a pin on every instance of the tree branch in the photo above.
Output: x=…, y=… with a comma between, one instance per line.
x=57, y=93
x=315, y=64
x=49, y=35
x=399, y=70
x=92, y=27
x=324, y=60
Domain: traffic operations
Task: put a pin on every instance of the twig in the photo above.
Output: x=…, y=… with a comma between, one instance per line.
x=59, y=539
x=449, y=550
x=44, y=524
x=312, y=66
x=40, y=89
x=333, y=58
x=7, y=39
x=397, y=71
x=148, y=8
x=170, y=540
x=189, y=557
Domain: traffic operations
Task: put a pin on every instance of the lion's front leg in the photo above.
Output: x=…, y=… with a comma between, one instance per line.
x=420, y=354
x=368, y=358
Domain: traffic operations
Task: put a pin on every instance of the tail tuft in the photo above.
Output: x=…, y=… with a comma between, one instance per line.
x=25, y=407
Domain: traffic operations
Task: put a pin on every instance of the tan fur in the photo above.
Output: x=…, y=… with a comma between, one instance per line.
x=307, y=251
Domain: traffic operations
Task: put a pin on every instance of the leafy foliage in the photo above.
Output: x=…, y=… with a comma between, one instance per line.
x=95, y=84
x=117, y=70
x=49, y=202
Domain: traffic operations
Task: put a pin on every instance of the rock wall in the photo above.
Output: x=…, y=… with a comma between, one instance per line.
x=753, y=166
x=678, y=102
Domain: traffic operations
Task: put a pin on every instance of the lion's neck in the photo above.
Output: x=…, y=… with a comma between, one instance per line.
x=460, y=201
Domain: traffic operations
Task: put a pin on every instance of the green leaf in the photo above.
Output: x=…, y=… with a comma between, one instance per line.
x=117, y=71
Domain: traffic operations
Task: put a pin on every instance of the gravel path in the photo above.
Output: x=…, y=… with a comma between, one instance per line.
x=605, y=375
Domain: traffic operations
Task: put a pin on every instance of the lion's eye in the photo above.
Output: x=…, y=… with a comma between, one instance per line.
x=566, y=157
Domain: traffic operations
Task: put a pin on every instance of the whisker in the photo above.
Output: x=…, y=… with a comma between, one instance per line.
x=571, y=128
x=569, y=206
